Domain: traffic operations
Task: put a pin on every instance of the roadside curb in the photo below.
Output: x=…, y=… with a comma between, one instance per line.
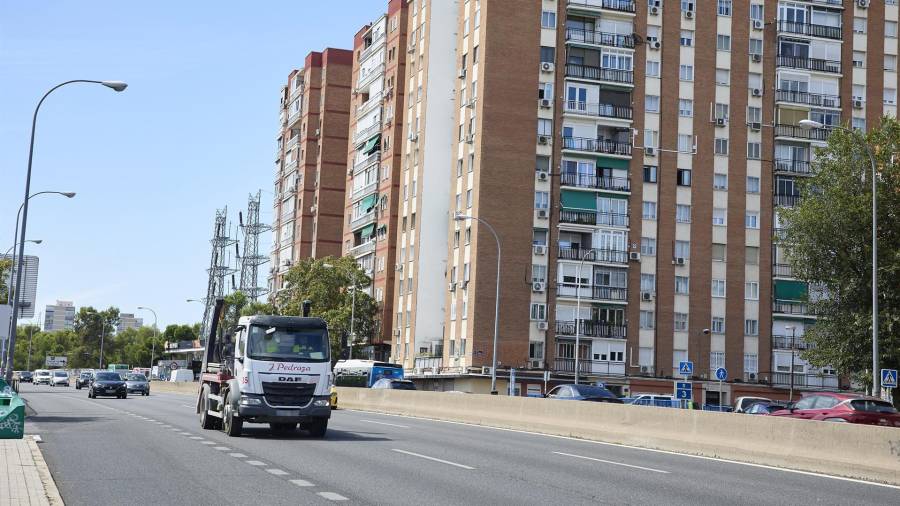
x=50, y=490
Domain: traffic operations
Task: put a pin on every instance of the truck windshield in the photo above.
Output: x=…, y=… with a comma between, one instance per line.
x=287, y=344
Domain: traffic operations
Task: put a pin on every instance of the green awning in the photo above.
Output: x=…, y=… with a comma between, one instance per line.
x=367, y=231
x=372, y=145
x=579, y=200
x=612, y=163
x=369, y=202
x=791, y=290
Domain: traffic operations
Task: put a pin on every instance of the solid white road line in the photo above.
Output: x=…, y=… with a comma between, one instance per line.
x=302, y=483
x=186, y=406
x=331, y=496
x=385, y=423
x=255, y=462
x=426, y=457
x=276, y=472
x=614, y=463
x=238, y=455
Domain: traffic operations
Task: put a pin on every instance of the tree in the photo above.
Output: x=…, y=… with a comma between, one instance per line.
x=828, y=243
x=327, y=283
x=5, y=271
x=91, y=326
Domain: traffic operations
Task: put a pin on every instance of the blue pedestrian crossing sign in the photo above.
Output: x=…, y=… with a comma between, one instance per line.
x=721, y=374
x=684, y=390
x=686, y=368
x=889, y=378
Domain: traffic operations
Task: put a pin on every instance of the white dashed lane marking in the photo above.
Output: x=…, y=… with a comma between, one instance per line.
x=238, y=455
x=302, y=483
x=331, y=496
x=255, y=463
x=222, y=448
x=276, y=472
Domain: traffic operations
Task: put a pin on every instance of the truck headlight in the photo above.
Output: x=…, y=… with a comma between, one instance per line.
x=250, y=401
x=321, y=403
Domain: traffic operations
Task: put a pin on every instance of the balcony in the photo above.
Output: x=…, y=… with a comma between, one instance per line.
x=365, y=162
x=783, y=270
x=790, y=307
x=585, y=366
x=810, y=30
x=367, y=132
x=596, y=38
x=618, y=184
x=590, y=328
x=779, y=234
x=605, y=146
x=592, y=218
x=801, y=167
x=599, y=110
x=780, y=342
x=804, y=380
x=376, y=43
x=370, y=104
x=617, y=76
x=611, y=5
x=294, y=117
x=292, y=143
x=370, y=76
x=364, y=189
x=595, y=293
x=816, y=64
x=612, y=256
x=362, y=220
x=362, y=249
x=813, y=99
x=787, y=200
x=796, y=132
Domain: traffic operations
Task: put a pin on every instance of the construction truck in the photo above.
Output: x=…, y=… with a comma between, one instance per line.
x=266, y=369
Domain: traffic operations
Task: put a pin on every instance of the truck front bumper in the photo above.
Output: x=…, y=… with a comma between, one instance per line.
x=253, y=408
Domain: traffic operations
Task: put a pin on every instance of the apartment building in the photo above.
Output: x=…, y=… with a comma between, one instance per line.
x=375, y=145
x=129, y=321
x=311, y=161
x=59, y=316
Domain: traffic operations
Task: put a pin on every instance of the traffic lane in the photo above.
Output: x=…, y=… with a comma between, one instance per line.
x=99, y=454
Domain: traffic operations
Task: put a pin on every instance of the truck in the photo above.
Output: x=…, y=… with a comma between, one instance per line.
x=266, y=369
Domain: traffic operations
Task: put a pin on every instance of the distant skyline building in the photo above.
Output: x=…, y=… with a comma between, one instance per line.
x=59, y=316
x=129, y=321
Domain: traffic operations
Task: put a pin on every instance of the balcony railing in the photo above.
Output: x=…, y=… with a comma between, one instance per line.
x=593, y=218
x=599, y=38
x=606, y=146
x=594, y=255
x=802, y=97
x=367, y=132
x=817, y=64
x=599, y=73
x=600, y=293
x=813, y=134
x=790, y=307
x=783, y=270
x=614, y=5
x=377, y=42
x=362, y=249
x=805, y=380
x=599, y=110
x=365, y=162
x=619, y=184
x=792, y=166
x=292, y=143
x=362, y=220
x=787, y=200
x=585, y=366
x=590, y=328
x=810, y=30
x=366, y=188
x=366, y=78
x=779, y=233
x=780, y=342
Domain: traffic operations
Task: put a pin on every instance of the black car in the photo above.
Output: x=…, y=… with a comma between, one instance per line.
x=25, y=376
x=83, y=380
x=583, y=393
x=107, y=384
x=394, y=384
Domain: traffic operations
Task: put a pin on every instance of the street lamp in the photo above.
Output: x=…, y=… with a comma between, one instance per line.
x=793, y=330
x=115, y=85
x=591, y=253
x=33, y=241
x=155, y=335
x=195, y=300
x=808, y=124
x=462, y=217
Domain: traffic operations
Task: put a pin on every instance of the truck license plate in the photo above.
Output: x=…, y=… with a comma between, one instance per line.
x=287, y=412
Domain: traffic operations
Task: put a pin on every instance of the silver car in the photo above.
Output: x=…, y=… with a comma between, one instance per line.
x=137, y=384
x=59, y=378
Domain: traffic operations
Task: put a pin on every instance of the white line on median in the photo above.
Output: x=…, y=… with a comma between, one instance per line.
x=614, y=463
x=331, y=496
x=385, y=423
x=426, y=457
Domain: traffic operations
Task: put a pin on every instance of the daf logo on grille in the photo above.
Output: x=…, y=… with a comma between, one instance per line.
x=289, y=379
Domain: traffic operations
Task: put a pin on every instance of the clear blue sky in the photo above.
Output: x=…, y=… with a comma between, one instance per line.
x=194, y=131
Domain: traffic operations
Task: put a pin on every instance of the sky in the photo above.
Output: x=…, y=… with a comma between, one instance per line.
x=195, y=131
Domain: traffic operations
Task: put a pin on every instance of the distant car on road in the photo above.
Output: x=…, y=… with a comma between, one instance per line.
x=742, y=403
x=841, y=407
x=60, y=378
x=24, y=376
x=394, y=384
x=137, y=383
x=592, y=393
x=764, y=408
x=42, y=377
x=658, y=400
x=106, y=383
x=83, y=379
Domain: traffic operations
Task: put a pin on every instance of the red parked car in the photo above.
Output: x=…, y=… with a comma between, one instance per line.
x=838, y=407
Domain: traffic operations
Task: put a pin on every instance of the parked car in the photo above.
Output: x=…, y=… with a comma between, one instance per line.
x=60, y=378
x=42, y=377
x=394, y=384
x=764, y=408
x=137, y=383
x=106, y=383
x=841, y=407
x=592, y=393
x=83, y=380
x=658, y=400
x=742, y=403
x=24, y=376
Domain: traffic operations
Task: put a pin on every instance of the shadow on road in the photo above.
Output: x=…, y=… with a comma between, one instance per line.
x=63, y=419
x=332, y=435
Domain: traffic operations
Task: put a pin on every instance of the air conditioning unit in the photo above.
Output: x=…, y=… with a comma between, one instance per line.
x=486, y=371
x=543, y=214
x=413, y=136
x=451, y=287
x=756, y=92
x=720, y=122
x=542, y=175
x=317, y=132
x=634, y=256
x=543, y=326
x=547, y=67
x=654, y=11
x=862, y=4
x=751, y=376
x=757, y=24
x=545, y=103
x=654, y=44
x=470, y=138
x=689, y=14
x=646, y=296
x=857, y=104
x=543, y=140
x=540, y=250
x=756, y=126
x=462, y=73
x=756, y=58
x=286, y=262
x=650, y=151
x=537, y=287
x=312, y=209
x=536, y=364
x=646, y=369
x=398, y=267
x=679, y=261
x=411, y=48
x=471, y=103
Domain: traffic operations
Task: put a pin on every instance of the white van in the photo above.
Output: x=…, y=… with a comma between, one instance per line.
x=42, y=377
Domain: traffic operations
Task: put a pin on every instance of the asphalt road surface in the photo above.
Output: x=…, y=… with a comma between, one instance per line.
x=151, y=450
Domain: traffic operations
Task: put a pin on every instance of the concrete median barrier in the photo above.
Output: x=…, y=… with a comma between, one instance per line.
x=175, y=387
x=854, y=451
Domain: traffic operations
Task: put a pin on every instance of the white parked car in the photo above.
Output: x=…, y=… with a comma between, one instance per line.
x=42, y=377
x=742, y=403
x=60, y=378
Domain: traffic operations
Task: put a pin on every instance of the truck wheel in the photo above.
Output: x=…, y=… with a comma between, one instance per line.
x=283, y=427
x=317, y=428
x=231, y=422
x=207, y=422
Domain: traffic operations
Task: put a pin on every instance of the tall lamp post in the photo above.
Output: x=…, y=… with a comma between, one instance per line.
x=155, y=335
x=809, y=124
x=355, y=287
x=115, y=85
x=462, y=217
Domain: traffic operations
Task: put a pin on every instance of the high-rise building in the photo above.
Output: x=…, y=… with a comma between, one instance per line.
x=374, y=160
x=60, y=316
x=311, y=161
x=129, y=321
x=28, y=294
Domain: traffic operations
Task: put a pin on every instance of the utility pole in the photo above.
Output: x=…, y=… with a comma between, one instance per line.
x=102, y=335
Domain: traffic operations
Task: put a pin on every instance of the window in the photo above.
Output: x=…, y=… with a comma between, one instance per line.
x=648, y=246
x=718, y=252
x=754, y=80
x=678, y=356
x=545, y=127
x=751, y=290
x=682, y=213
x=539, y=238
x=648, y=283
x=716, y=359
x=751, y=220
x=687, y=38
x=651, y=103
x=718, y=325
x=859, y=92
x=686, y=72
x=545, y=91
x=756, y=46
x=650, y=173
x=649, y=210
x=685, y=108
x=683, y=177
x=754, y=150
x=651, y=138
x=718, y=288
x=720, y=181
x=890, y=62
x=685, y=143
x=721, y=111
x=752, y=184
x=724, y=7
x=719, y=216
x=541, y=200
x=682, y=249
x=548, y=54
x=751, y=327
x=538, y=312
x=751, y=363
x=647, y=319
x=757, y=12
x=721, y=146
x=858, y=124
x=652, y=68
x=682, y=285
x=890, y=29
x=548, y=19
x=859, y=59
x=723, y=42
x=681, y=322
x=751, y=255
x=859, y=25
x=890, y=96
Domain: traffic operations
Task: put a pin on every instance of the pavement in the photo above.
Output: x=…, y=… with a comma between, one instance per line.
x=151, y=450
x=24, y=477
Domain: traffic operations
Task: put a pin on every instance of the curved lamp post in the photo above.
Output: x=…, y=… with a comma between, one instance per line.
x=155, y=335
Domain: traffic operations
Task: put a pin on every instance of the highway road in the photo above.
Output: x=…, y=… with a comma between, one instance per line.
x=151, y=450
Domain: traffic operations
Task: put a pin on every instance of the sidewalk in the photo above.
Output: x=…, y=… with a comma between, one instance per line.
x=24, y=476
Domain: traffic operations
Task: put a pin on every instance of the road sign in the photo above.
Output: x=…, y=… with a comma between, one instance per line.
x=684, y=390
x=721, y=374
x=57, y=360
x=173, y=366
x=889, y=378
x=686, y=368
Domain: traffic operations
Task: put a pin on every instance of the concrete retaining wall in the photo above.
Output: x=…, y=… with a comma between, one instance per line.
x=855, y=451
x=181, y=387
